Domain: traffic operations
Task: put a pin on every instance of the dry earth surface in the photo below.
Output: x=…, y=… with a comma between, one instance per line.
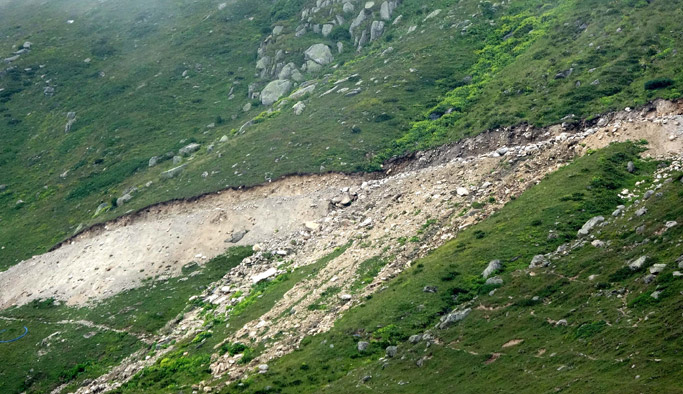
x=303, y=218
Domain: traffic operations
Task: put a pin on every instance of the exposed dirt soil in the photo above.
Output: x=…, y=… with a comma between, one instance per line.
x=302, y=218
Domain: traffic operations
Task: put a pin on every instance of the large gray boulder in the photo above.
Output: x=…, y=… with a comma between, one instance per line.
x=289, y=71
x=539, y=261
x=263, y=64
x=385, y=11
x=493, y=267
x=319, y=53
x=348, y=7
x=301, y=92
x=376, y=30
x=590, y=225
x=274, y=90
x=173, y=172
x=189, y=149
x=453, y=318
x=637, y=263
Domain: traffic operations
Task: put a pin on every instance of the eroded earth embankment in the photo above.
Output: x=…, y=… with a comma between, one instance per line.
x=425, y=199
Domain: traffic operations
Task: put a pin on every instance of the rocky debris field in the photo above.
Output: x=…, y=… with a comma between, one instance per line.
x=159, y=241
x=418, y=205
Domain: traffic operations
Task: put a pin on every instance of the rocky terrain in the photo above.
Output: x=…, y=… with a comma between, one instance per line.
x=418, y=205
x=334, y=196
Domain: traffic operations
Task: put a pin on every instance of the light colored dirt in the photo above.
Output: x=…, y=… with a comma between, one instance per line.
x=157, y=243
x=512, y=342
x=501, y=165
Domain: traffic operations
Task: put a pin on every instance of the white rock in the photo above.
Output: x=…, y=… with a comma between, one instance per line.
x=311, y=226
x=657, y=268
x=367, y=222
x=588, y=226
x=432, y=14
x=264, y=275
x=274, y=90
x=299, y=108
x=598, y=244
x=638, y=263
x=320, y=54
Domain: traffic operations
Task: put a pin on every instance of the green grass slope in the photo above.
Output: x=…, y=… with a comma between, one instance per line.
x=617, y=337
x=476, y=65
x=43, y=360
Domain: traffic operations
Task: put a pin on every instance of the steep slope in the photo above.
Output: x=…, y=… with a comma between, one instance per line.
x=340, y=196
x=137, y=81
x=314, y=273
x=597, y=312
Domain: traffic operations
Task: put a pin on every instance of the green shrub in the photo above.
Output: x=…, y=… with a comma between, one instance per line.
x=590, y=329
x=340, y=33
x=659, y=83
x=202, y=336
x=621, y=274
x=102, y=48
x=285, y=9
x=233, y=348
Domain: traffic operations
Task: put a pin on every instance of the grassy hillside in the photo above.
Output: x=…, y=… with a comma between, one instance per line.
x=59, y=349
x=585, y=323
x=147, y=78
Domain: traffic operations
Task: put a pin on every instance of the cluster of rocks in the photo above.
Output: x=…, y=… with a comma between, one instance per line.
x=345, y=198
x=24, y=49
x=371, y=21
x=177, y=158
x=590, y=231
x=371, y=213
x=275, y=64
x=288, y=75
